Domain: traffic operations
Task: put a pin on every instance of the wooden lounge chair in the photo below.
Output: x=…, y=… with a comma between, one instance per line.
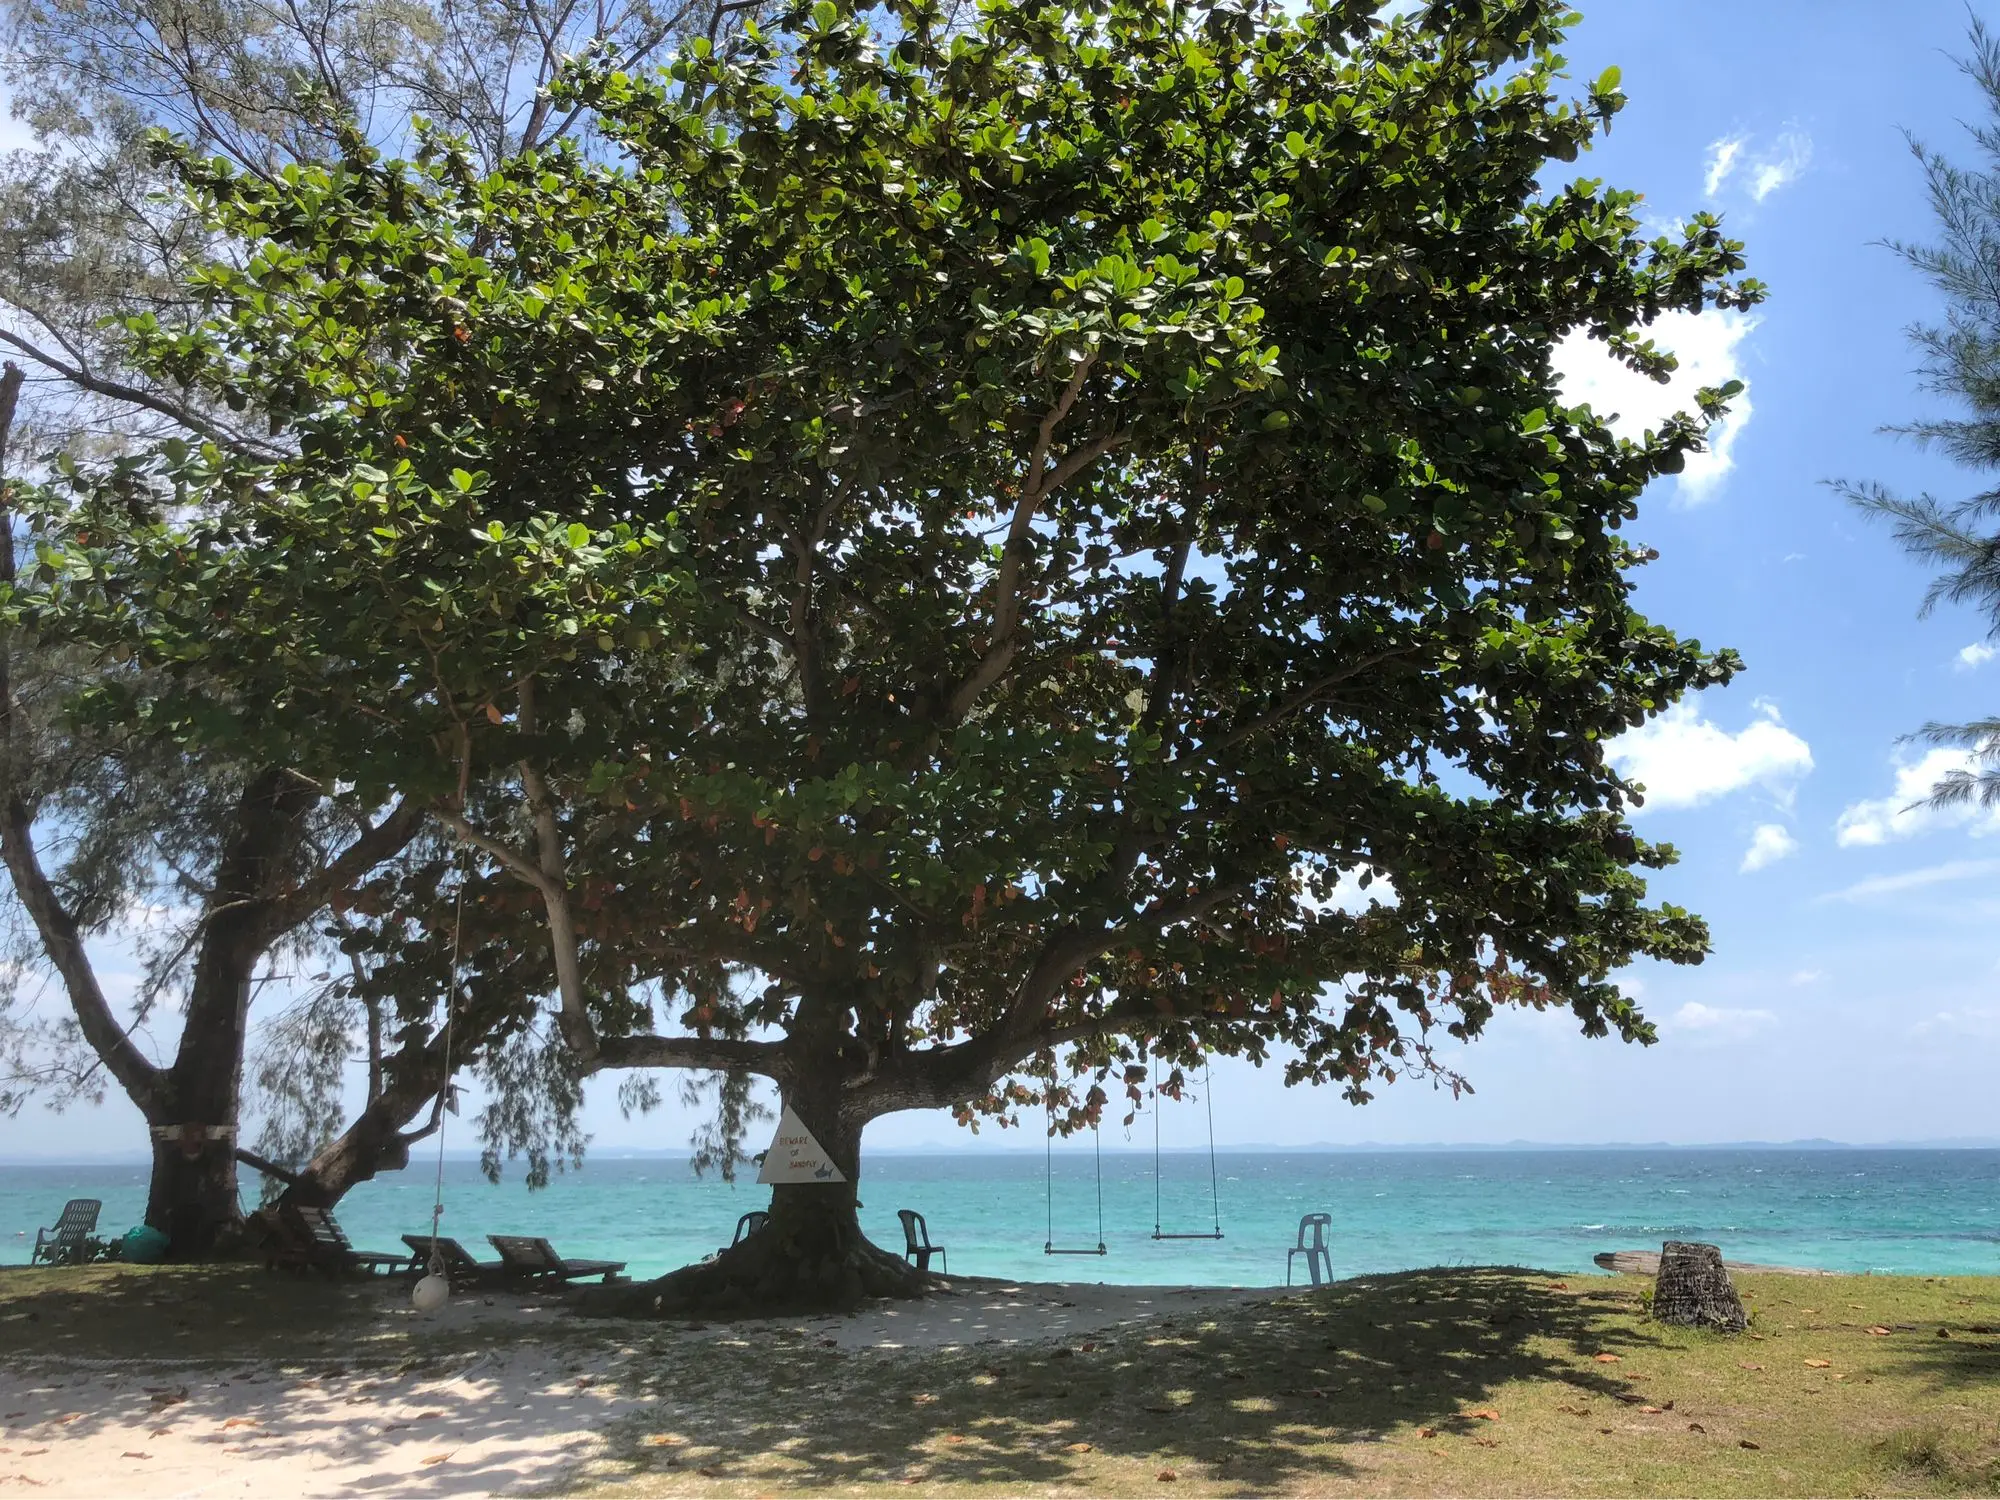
x=310, y=1239
x=917, y=1240
x=460, y=1269
x=67, y=1244
x=534, y=1261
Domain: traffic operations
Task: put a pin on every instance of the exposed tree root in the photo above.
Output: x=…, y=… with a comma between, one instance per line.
x=770, y=1274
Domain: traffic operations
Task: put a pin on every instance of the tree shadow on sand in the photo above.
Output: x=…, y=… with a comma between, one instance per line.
x=1257, y=1398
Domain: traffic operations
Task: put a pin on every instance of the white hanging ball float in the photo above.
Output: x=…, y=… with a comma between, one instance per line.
x=430, y=1294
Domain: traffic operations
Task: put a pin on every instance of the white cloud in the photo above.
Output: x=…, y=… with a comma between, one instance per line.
x=1971, y=658
x=1788, y=157
x=1722, y=157
x=1769, y=844
x=1978, y=1022
x=1715, y=1021
x=1763, y=172
x=1349, y=896
x=1807, y=976
x=1684, y=760
x=1708, y=346
x=1905, y=813
x=1915, y=880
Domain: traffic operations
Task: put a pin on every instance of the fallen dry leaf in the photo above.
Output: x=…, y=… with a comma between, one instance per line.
x=239, y=1422
x=1167, y=1476
x=1879, y=1331
x=426, y=1416
x=1484, y=1414
x=159, y=1432
x=1696, y=1427
x=437, y=1458
x=1077, y=1448
x=69, y=1416
x=710, y=1471
x=134, y=1453
x=1652, y=1411
x=1608, y=1359
x=1558, y=1286
x=1748, y=1366
x=1427, y=1432
x=1574, y=1411
x=1487, y=1442
x=1605, y=1430
x=954, y=1437
x=923, y=1399
x=1746, y=1443
x=1819, y=1364
x=664, y=1440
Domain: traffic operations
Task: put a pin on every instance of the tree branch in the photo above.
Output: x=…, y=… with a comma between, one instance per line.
x=563, y=948
x=62, y=939
x=117, y=390
x=374, y=844
x=1038, y=482
x=717, y=1054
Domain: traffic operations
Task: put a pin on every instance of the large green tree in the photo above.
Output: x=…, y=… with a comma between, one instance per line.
x=1961, y=362
x=944, y=559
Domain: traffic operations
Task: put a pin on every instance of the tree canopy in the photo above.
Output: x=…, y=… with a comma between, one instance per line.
x=945, y=562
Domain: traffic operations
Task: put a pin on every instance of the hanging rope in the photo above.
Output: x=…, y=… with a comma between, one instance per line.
x=437, y=1266
x=1214, y=1179
x=1049, y=1246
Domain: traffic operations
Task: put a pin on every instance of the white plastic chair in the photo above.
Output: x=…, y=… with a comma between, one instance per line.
x=1312, y=1245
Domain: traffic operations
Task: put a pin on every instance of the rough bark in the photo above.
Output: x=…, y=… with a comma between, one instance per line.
x=1693, y=1289
x=810, y=1257
x=378, y=1139
x=194, y=1105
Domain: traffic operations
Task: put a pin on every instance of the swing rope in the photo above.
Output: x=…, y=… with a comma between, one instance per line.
x=1214, y=1180
x=1049, y=1246
x=437, y=1266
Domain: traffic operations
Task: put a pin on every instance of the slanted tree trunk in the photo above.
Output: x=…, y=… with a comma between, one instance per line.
x=1693, y=1289
x=378, y=1139
x=810, y=1257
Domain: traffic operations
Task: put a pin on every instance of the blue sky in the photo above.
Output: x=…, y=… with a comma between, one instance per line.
x=1854, y=991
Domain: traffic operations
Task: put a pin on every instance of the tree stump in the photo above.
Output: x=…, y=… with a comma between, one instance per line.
x=1694, y=1291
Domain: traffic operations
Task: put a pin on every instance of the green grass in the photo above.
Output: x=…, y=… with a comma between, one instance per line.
x=1432, y=1382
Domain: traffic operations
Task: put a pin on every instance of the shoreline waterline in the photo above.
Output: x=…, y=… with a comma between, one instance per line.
x=1886, y=1210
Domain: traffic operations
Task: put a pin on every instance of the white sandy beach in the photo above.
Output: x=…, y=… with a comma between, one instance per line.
x=517, y=1417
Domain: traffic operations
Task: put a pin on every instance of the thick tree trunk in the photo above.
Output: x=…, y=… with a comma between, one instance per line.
x=811, y=1256
x=193, y=1109
x=192, y=1196
x=378, y=1140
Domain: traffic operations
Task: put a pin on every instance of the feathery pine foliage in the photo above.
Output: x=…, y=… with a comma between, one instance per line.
x=1961, y=362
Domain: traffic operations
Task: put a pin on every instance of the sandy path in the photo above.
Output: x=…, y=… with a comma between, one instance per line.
x=515, y=1418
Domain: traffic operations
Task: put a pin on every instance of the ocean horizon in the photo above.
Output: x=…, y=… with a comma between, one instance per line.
x=1890, y=1210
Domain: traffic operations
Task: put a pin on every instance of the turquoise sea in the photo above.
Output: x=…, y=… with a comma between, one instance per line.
x=1923, y=1212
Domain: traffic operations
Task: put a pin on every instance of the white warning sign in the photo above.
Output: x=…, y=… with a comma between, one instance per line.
x=795, y=1156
